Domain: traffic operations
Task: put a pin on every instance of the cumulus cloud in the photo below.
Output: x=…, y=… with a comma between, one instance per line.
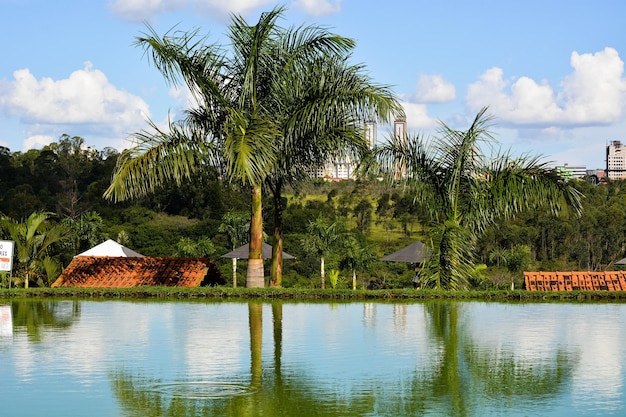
x=38, y=141
x=183, y=97
x=594, y=93
x=417, y=116
x=318, y=7
x=86, y=99
x=138, y=10
x=434, y=89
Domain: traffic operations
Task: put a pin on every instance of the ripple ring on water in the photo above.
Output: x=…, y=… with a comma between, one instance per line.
x=201, y=389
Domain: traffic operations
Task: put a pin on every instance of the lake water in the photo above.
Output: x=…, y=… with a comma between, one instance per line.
x=127, y=358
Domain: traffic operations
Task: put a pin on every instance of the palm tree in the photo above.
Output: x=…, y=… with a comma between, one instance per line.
x=34, y=240
x=187, y=247
x=236, y=226
x=461, y=191
x=320, y=240
x=322, y=114
x=357, y=256
x=234, y=125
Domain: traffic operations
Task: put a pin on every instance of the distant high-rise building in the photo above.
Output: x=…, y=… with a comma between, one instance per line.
x=616, y=160
x=344, y=168
x=370, y=134
x=399, y=131
x=400, y=138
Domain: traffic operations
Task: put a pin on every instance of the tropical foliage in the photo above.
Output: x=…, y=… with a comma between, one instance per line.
x=280, y=100
x=461, y=190
x=37, y=242
x=154, y=225
x=320, y=240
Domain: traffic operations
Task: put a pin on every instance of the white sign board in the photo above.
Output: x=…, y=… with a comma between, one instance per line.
x=6, y=255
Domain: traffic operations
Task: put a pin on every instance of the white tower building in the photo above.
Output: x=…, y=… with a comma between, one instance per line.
x=371, y=134
x=616, y=160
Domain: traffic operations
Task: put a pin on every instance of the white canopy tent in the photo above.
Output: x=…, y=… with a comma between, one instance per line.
x=111, y=248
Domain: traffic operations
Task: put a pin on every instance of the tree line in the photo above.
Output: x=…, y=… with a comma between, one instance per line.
x=370, y=219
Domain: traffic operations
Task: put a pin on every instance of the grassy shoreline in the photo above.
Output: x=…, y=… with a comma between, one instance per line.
x=275, y=294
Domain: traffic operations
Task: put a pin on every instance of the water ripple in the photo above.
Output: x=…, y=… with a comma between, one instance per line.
x=201, y=389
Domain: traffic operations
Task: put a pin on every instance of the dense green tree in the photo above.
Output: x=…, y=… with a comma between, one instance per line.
x=363, y=215
x=88, y=231
x=461, y=191
x=187, y=247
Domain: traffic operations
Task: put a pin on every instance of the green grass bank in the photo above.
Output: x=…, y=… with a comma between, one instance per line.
x=290, y=294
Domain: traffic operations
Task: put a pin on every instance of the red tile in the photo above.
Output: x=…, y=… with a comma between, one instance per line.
x=120, y=272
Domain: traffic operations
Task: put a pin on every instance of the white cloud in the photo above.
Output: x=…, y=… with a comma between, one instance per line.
x=138, y=10
x=417, y=116
x=37, y=141
x=183, y=96
x=86, y=97
x=594, y=93
x=84, y=103
x=319, y=7
x=434, y=89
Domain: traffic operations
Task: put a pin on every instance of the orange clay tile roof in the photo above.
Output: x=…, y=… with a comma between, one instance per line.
x=123, y=272
x=575, y=281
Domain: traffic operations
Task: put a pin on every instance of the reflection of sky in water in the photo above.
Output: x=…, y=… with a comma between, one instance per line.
x=345, y=338
x=594, y=335
x=345, y=348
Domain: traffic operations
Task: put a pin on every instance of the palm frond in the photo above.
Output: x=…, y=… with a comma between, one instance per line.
x=250, y=149
x=160, y=157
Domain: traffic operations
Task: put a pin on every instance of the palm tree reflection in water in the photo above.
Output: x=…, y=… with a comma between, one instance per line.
x=469, y=380
x=462, y=379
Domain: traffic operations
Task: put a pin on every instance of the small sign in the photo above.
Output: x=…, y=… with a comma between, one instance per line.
x=6, y=255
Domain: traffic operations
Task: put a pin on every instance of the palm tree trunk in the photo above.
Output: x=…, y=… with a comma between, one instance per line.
x=255, y=277
x=276, y=273
x=234, y=272
x=354, y=279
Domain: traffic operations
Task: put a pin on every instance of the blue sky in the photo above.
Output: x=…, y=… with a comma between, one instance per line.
x=551, y=71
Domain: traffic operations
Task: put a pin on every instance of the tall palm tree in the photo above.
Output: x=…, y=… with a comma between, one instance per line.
x=322, y=114
x=34, y=240
x=234, y=125
x=461, y=191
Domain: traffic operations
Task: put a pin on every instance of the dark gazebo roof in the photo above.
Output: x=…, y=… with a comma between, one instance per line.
x=621, y=262
x=414, y=253
x=243, y=251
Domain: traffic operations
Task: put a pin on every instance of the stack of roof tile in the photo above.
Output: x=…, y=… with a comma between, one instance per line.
x=575, y=281
x=122, y=272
